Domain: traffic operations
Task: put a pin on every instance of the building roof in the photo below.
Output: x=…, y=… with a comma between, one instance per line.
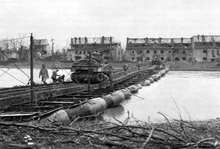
x=206, y=38
x=93, y=40
x=41, y=42
x=158, y=40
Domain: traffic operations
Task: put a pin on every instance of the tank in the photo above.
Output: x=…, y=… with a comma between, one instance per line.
x=98, y=72
x=156, y=60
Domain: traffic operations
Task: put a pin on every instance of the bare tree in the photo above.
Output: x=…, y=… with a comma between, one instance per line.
x=14, y=43
x=5, y=44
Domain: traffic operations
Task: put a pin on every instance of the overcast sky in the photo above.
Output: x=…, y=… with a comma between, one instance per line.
x=63, y=19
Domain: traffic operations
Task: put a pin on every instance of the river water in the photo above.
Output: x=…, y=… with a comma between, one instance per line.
x=188, y=95
x=17, y=77
x=191, y=95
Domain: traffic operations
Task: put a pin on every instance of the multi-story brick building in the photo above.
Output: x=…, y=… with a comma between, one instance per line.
x=167, y=49
x=106, y=46
x=206, y=48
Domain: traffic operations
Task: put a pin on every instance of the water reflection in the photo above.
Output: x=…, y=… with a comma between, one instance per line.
x=193, y=94
x=115, y=112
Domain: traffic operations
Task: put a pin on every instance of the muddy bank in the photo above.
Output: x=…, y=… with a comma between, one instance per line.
x=97, y=133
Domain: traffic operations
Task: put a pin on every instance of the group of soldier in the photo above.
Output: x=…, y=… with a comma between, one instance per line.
x=55, y=77
x=60, y=78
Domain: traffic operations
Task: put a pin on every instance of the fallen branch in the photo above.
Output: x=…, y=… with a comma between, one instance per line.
x=147, y=140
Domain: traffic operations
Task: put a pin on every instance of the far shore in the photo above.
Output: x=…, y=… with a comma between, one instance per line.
x=196, y=66
x=174, y=66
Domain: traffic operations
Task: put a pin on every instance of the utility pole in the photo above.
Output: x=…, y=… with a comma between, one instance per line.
x=52, y=52
x=31, y=60
x=90, y=55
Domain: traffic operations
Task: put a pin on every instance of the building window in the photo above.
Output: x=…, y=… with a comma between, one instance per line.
x=204, y=58
x=169, y=52
x=140, y=52
x=217, y=52
x=184, y=58
x=204, y=51
x=148, y=58
x=184, y=52
x=162, y=58
x=79, y=52
x=177, y=59
x=148, y=51
x=132, y=58
x=161, y=51
x=76, y=52
x=84, y=52
x=132, y=51
x=213, y=52
x=155, y=52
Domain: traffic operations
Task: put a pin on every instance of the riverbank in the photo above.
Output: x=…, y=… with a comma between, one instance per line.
x=89, y=133
x=174, y=66
x=189, y=66
x=59, y=65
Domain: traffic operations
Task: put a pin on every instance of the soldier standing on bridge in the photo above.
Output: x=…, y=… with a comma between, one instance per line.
x=138, y=65
x=111, y=76
x=43, y=74
x=110, y=69
x=54, y=76
x=125, y=68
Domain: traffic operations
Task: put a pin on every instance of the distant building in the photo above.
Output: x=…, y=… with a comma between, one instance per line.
x=1, y=54
x=9, y=55
x=166, y=49
x=23, y=52
x=41, y=48
x=106, y=46
x=206, y=48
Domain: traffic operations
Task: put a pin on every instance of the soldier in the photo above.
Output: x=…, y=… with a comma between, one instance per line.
x=125, y=68
x=54, y=76
x=111, y=74
x=111, y=79
x=44, y=74
x=138, y=65
x=60, y=79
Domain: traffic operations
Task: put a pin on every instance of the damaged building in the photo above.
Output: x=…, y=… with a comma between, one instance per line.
x=166, y=49
x=107, y=47
x=200, y=48
x=206, y=48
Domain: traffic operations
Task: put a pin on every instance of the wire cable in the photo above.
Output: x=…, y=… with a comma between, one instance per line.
x=15, y=64
x=9, y=68
x=14, y=39
x=13, y=76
